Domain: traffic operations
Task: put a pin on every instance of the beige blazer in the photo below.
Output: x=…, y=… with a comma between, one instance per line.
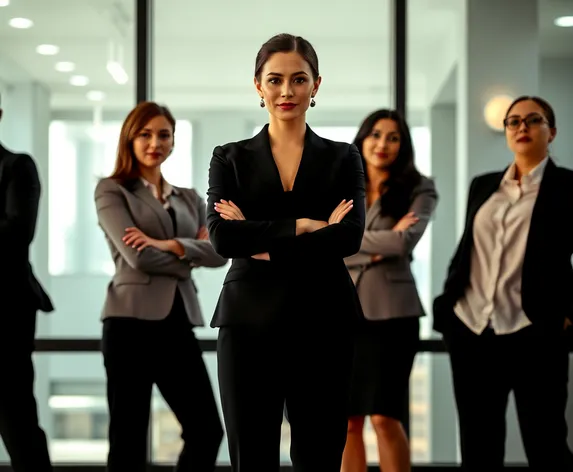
x=387, y=288
x=144, y=282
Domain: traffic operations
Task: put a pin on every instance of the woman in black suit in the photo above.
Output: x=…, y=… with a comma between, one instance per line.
x=507, y=301
x=287, y=206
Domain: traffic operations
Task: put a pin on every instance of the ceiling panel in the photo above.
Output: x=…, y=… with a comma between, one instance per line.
x=211, y=46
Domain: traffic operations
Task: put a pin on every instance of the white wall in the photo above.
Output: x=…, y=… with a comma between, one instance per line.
x=557, y=87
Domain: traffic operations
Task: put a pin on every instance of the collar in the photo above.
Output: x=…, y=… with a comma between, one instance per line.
x=168, y=189
x=533, y=178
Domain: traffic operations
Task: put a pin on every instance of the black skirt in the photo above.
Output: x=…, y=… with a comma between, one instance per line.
x=384, y=353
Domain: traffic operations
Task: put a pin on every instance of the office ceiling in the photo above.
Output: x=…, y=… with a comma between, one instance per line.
x=204, y=51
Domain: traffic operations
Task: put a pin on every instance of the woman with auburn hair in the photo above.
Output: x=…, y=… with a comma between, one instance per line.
x=156, y=234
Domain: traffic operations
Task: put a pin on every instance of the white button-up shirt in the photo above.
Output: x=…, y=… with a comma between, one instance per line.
x=500, y=233
x=168, y=190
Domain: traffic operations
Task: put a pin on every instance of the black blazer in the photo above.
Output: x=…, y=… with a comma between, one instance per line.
x=19, y=199
x=305, y=271
x=547, y=278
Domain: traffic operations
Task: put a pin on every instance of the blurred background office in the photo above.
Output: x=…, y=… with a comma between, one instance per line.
x=71, y=70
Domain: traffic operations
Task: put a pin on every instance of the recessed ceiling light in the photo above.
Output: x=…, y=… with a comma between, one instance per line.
x=21, y=23
x=95, y=95
x=79, y=80
x=65, y=66
x=564, y=21
x=47, y=49
x=4, y=3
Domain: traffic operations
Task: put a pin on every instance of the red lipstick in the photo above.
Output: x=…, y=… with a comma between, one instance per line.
x=524, y=139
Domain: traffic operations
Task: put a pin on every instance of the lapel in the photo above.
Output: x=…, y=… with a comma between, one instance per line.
x=186, y=211
x=2, y=160
x=313, y=156
x=371, y=214
x=4, y=157
x=481, y=194
x=487, y=186
x=543, y=198
x=547, y=190
x=139, y=189
x=541, y=210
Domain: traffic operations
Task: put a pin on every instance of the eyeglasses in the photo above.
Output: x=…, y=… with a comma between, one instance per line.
x=533, y=120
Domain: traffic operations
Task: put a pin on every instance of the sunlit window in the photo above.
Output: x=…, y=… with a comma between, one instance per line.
x=80, y=154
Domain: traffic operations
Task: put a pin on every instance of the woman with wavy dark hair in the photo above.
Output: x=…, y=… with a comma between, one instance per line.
x=400, y=202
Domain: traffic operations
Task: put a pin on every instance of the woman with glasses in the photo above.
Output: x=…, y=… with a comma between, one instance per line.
x=507, y=301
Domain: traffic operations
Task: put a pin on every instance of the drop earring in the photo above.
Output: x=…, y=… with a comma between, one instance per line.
x=262, y=103
x=312, y=103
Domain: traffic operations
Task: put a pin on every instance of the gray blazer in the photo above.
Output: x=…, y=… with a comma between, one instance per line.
x=387, y=288
x=145, y=281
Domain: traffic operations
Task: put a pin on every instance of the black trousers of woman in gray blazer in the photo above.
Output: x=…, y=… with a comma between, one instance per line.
x=149, y=314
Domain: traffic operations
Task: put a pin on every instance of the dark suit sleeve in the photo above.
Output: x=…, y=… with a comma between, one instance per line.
x=458, y=254
x=337, y=240
x=359, y=259
x=235, y=239
x=200, y=252
x=22, y=200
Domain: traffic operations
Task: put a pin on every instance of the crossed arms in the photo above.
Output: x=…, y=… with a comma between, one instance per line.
x=290, y=239
x=173, y=257
x=400, y=240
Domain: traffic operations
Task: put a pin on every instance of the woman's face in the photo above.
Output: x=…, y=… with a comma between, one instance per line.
x=527, y=130
x=153, y=144
x=287, y=85
x=381, y=147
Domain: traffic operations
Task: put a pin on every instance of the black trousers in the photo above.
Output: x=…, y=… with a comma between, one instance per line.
x=261, y=368
x=140, y=353
x=535, y=366
x=23, y=437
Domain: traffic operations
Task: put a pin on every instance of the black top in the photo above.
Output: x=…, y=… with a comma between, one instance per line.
x=308, y=265
x=173, y=217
